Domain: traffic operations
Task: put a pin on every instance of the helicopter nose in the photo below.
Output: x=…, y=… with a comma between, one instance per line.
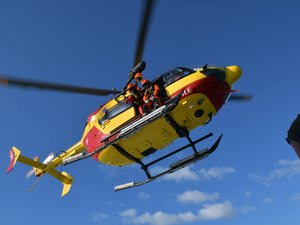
x=233, y=73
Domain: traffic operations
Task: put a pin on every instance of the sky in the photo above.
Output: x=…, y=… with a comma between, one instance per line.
x=252, y=178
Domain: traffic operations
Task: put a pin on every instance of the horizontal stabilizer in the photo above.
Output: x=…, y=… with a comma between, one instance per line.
x=65, y=178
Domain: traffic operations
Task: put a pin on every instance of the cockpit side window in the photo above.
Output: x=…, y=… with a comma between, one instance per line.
x=176, y=74
x=116, y=110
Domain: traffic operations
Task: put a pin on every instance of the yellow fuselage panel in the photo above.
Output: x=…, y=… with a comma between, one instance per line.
x=193, y=111
x=160, y=133
x=155, y=135
x=110, y=126
x=183, y=82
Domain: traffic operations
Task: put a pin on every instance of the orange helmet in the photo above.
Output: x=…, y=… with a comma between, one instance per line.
x=131, y=86
x=138, y=76
x=145, y=83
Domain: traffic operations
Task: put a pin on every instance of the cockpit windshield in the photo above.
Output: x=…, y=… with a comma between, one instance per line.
x=216, y=72
x=175, y=74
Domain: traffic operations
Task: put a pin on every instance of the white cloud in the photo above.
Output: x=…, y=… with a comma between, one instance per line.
x=196, y=197
x=158, y=218
x=268, y=200
x=216, y=211
x=187, y=174
x=99, y=217
x=208, y=212
x=183, y=174
x=215, y=173
x=143, y=195
x=248, y=194
x=129, y=213
x=295, y=197
x=284, y=169
x=245, y=209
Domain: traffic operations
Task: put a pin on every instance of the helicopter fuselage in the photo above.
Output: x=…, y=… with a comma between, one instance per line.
x=203, y=92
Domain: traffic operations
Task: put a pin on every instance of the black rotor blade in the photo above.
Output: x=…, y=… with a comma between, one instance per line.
x=240, y=97
x=8, y=81
x=143, y=31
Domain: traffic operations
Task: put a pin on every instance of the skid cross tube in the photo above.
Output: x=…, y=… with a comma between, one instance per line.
x=179, y=150
x=177, y=165
x=123, y=152
x=182, y=132
x=145, y=167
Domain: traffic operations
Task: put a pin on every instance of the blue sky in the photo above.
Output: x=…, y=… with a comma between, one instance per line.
x=252, y=178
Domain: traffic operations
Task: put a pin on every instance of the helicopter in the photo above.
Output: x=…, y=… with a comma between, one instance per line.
x=117, y=134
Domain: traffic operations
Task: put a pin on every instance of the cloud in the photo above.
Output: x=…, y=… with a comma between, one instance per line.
x=208, y=212
x=187, y=174
x=99, y=217
x=268, y=200
x=196, y=197
x=161, y=218
x=248, y=194
x=295, y=197
x=216, y=211
x=215, y=173
x=245, y=209
x=143, y=195
x=183, y=174
x=284, y=169
x=129, y=213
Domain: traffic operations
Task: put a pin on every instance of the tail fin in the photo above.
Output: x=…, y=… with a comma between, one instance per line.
x=65, y=178
x=14, y=154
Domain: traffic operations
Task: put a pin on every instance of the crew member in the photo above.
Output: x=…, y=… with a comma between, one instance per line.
x=135, y=97
x=138, y=77
x=151, y=96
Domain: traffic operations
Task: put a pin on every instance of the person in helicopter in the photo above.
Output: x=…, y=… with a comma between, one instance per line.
x=135, y=97
x=138, y=77
x=151, y=96
x=293, y=137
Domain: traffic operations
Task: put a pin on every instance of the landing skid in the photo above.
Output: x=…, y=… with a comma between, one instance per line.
x=196, y=156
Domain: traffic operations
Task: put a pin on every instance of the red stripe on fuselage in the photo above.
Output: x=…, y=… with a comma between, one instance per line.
x=95, y=139
x=211, y=87
x=92, y=141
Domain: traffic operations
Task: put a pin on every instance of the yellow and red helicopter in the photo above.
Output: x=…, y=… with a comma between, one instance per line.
x=117, y=134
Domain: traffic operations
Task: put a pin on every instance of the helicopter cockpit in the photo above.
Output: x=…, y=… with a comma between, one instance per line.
x=175, y=74
x=113, y=112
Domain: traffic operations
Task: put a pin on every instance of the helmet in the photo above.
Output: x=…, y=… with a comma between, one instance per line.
x=131, y=86
x=145, y=83
x=138, y=76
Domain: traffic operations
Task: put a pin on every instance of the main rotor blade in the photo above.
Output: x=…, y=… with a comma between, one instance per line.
x=8, y=81
x=143, y=31
x=240, y=97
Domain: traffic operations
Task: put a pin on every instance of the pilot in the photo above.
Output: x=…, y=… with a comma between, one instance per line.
x=151, y=96
x=293, y=137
